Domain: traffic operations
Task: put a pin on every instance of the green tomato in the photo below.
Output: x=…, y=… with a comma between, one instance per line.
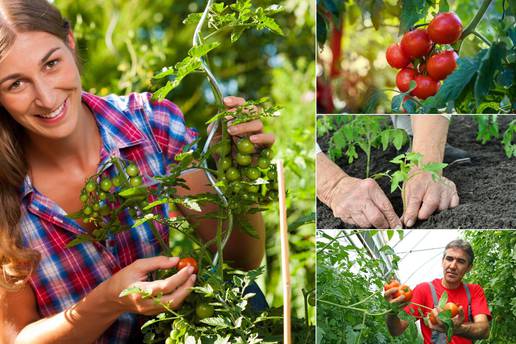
x=135, y=181
x=223, y=148
x=266, y=153
x=132, y=170
x=245, y=146
x=96, y=206
x=263, y=163
x=243, y=159
x=84, y=198
x=204, y=310
x=87, y=211
x=253, y=188
x=91, y=186
x=102, y=196
x=252, y=173
x=225, y=163
x=232, y=174
x=169, y=340
x=117, y=181
x=236, y=187
x=106, y=184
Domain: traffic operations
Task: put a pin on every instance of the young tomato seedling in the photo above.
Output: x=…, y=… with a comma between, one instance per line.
x=410, y=165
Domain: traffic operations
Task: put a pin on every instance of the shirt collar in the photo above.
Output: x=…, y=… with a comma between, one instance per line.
x=112, y=114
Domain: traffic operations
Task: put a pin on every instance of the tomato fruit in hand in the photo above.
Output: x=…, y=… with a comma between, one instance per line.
x=252, y=173
x=391, y=284
x=425, y=87
x=188, y=261
x=90, y=186
x=452, y=307
x=440, y=65
x=136, y=181
x=416, y=43
x=396, y=57
x=445, y=28
x=204, y=310
x=404, y=77
x=405, y=291
x=245, y=146
x=432, y=318
x=106, y=184
x=225, y=163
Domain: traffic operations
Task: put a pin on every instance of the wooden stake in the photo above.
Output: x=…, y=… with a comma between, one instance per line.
x=285, y=269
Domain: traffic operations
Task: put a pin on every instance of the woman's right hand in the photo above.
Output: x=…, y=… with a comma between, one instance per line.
x=173, y=289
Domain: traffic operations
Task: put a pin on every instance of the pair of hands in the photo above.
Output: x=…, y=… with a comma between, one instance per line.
x=176, y=288
x=457, y=320
x=363, y=203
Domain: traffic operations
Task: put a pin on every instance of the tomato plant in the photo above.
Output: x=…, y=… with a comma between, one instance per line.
x=364, y=132
x=242, y=188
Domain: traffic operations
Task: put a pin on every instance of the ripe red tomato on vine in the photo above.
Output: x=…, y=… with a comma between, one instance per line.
x=404, y=290
x=391, y=284
x=188, y=261
x=445, y=28
x=440, y=65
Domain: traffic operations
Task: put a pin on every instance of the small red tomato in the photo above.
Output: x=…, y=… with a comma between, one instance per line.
x=425, y=87
x=416, y=43
x=188, y=261
x=395, y=56
x=440, y=65
x=404, y=77
x=445, y=28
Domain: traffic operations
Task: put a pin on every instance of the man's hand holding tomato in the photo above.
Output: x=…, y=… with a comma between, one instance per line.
x=396, y=293
x=457, y=318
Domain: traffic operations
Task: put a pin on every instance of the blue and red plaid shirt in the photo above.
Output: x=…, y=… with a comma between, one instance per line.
x=135, y=128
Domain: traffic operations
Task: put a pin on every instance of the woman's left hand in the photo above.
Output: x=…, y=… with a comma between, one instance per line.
x=253, y=129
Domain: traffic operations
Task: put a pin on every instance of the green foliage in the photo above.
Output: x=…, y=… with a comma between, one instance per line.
x=494, y=266
x=350, y=305
x=488, y=129
x=410, y=165
x=366, y=132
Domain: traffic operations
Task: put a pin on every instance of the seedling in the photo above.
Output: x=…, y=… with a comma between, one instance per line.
x=365, y=132
x=410, y=165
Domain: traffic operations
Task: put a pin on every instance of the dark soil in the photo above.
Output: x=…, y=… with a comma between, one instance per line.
x=486, y=187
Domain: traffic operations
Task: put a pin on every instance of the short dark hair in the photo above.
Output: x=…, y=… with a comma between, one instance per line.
x=463, y=245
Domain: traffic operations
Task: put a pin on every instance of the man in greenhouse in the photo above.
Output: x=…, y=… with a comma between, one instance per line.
x=466, y=311
x=362, y=202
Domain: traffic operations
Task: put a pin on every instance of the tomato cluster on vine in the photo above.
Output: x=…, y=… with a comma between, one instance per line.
x=248, y=174
x=419, y=59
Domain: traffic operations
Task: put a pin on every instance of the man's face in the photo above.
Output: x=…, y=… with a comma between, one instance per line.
x=455, y=265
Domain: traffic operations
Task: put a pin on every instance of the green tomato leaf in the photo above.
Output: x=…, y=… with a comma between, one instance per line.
x=490, y=64
x=411, y=12
x=435, y=167
x=397, y=178
x=81, y=238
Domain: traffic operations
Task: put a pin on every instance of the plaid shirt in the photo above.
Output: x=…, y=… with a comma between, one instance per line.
x=135, y=128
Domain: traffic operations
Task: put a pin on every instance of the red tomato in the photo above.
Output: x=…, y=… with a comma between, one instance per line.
x=426, y=87
x=439, y=66
x=188, y=261
x=445, y=28
x=405, y=291
x=416, y=43
x=391, y=284
x=452, y=307
x=432, y=318
x=395, y=56
x=404, y=77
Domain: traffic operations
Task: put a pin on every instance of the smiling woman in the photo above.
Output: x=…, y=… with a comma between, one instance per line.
x=53, y=136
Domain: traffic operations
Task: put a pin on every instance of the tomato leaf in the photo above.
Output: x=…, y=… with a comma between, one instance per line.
x=81, y=238
x=411, y=12
x=490, y=64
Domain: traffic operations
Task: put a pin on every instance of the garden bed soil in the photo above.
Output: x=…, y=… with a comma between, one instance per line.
x=486, y=187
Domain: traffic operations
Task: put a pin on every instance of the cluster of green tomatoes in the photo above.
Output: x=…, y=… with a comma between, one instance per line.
x=249, y=175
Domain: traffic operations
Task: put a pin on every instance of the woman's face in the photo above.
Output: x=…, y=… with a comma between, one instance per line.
x=40, y=85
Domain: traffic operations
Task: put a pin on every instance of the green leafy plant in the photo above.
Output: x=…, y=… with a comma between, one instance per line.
x=488, y=129
x=410, y=165
x=366, y=132
x=245, y=182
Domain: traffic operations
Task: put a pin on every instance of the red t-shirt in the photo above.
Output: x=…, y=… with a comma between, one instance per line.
x=423, y=296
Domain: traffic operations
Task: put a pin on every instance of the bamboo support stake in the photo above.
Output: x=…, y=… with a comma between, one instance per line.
x=285, y=269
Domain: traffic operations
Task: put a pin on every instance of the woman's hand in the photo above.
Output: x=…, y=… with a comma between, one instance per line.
x=253, y=129
x=173, y=289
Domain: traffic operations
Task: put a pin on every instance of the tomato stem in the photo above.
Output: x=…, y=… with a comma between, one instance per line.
x=482, y=37
x=422, y=306
x=471, y=27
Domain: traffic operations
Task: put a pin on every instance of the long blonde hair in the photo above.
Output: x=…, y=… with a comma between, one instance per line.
x=17, y=262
